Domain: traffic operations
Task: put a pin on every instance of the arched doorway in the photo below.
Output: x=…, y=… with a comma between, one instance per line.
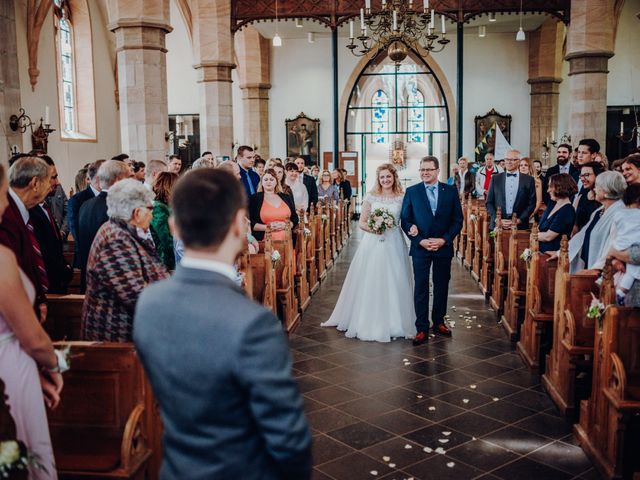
x=397, y=115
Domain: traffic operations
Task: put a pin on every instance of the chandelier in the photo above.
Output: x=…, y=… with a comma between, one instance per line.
x=397, y=27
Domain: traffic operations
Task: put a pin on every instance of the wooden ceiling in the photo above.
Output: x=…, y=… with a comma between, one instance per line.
x=333, y=13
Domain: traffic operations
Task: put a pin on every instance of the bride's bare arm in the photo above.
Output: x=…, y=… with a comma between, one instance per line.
x=364, y=216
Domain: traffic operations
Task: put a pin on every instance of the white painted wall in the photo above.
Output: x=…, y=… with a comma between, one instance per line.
x=624, y=67
x=69, y=155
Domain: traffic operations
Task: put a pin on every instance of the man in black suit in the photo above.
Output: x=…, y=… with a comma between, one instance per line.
x=563, y=165
x=94, y=211
x=245, y=160
x=76, y=202
x=308, y=181
x=512, y=192
x=584, y=205
x=50, y=239
x=431, y=217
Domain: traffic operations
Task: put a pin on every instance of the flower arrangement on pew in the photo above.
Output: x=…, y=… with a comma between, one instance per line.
x=275, y=257
x=15, y=459
x=493, y=233
x=526, y=255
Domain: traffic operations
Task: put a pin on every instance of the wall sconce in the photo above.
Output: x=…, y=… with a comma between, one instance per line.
x=565, y=138
x=39, y=137
x=635, y=130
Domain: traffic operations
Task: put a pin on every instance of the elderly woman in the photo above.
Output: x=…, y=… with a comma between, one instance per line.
x=162, y=237
x=122, y=262
x=588, y=248
x=204, y=162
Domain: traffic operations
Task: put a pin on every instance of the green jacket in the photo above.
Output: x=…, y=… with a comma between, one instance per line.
x=162, y=235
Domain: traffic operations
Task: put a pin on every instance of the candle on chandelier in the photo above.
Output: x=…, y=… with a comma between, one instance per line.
x=553, y=135
x=621, y=128
x=384, y=2
x=351, y=29
x=433, y=19
x=443, y=28
x=367, y=4
x=46, y=115
x=425, y=5
x=395, y=20
x=361, y=18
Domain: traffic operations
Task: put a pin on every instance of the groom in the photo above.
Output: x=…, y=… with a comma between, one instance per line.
x=431, y=217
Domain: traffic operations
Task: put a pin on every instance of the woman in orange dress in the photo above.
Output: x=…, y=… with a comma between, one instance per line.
x=269, y=207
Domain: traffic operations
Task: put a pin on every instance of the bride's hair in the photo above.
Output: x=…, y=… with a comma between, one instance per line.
x=397, y=188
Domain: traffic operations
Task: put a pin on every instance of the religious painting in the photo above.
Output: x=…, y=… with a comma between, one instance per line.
x=398, y=154
x=485, y=127
x=303, y=138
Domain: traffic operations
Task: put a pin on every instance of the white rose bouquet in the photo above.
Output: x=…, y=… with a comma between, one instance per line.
x=381, y=220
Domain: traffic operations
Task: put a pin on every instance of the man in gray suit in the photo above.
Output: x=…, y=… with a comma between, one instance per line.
x=513, y=192
x=218, y=363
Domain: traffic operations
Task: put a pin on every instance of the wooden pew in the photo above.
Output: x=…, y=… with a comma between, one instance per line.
x=472, y=212
x=301, y=280
x=285, y=281
x=312, y=265
x=488, y=252
x=339, y=224
x=501, y=269
x=64, y=316
x=262, y=281
x=516, y=282
x=462, y=236
x=328, y=250
x=608, y=430
x=478, y=234
x=573, y=333
x=537, y=329
x=103, y=426
x=321, y=226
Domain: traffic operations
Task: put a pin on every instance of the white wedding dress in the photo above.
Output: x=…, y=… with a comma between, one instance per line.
x=376, y=301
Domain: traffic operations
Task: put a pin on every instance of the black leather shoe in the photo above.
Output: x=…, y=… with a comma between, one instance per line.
x=420, y=338
x=442, y=330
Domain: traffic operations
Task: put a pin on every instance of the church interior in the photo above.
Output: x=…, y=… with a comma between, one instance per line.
x=540, y=374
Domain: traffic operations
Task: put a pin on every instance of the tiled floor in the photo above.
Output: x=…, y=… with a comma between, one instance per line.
x=455, y=408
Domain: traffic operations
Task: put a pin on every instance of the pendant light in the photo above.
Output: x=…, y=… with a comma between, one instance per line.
x=277, y=41
x=520, y=35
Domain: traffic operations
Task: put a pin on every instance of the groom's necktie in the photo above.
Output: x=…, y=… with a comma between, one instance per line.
x=431, y=195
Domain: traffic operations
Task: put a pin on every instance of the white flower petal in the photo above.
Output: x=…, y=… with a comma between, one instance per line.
x=465, y=400
x=374, y=472
x=440, y=450
x=446, y=434
x=392, y=465
x=386, y=459
x=418, y=396
x=408, y=447
x=473, y=387
x=443, y=440
x=451, y=464
x=427, y=449
x=432, y=408
x=495, y=399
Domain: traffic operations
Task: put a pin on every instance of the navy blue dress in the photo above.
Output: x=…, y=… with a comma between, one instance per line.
x=561, y=222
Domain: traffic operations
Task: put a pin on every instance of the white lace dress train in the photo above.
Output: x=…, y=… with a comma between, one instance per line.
x=376, y=301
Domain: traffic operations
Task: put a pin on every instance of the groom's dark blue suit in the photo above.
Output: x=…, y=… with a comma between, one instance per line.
x=445, y=224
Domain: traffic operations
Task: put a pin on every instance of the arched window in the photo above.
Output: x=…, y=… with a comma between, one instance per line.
x=76, y=92
x=415, y=116
x=380, y=117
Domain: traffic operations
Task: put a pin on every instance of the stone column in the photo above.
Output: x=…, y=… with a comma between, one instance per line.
x=9, y=81
x=545, y=64
x=213, y=51
x=140, y=28
x=590, y=40
x=253, y=52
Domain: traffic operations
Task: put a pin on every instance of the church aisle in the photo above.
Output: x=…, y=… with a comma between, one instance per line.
x=458, y=408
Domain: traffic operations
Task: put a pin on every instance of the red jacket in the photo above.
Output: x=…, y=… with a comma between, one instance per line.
x=15, y=236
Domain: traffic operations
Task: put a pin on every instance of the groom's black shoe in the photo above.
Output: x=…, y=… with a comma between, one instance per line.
x=442, y=329
x=420, y=338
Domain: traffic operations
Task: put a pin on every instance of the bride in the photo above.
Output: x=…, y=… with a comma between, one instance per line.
x=376, y=301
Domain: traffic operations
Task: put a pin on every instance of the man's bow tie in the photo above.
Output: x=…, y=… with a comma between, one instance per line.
x=512, y=174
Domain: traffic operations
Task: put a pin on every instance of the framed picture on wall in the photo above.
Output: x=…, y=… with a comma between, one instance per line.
x=484, y=131
x=303, y=138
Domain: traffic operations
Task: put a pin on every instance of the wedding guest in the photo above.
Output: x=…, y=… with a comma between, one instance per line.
x=342, y=183
x=512, y=192
x=616, y=165
x=250, y=179
x=464, y=181
x=122, y=262
x=160, y=232
x=257, y=417
x=138, y=170
x=152, y=171
x=484, y=175
x=563, y=165
x=282, y=179
x=559, y=217
x=308, y=181
x=526, y=168
x=627, y=223
x=203, y=162
x=315, y=172
x=175, y=164
x=259, y=166
x=602, y=159
x=537, y=169
x=454, y=173
x=270, y=207
x=584, y=202
x=82, y=180
x=299, y=190
x=588, y=248
x=232, y=167
x=630, y=256
x=501, y=163
x=29, y=182
x=327, y=191
x=631, y=169
x=93, y=213
x=29, y=367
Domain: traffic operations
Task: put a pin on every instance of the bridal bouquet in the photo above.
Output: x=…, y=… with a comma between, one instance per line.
x=380, y=221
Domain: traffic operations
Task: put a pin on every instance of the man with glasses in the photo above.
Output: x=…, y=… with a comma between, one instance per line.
x=584, y=205
x=431, y=217
x=512, y=192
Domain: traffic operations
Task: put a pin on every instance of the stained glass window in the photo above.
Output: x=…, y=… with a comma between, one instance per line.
x=415, y=116
x=380, y=117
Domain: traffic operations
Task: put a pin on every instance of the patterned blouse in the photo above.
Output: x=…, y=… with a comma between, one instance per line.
x=120, y=266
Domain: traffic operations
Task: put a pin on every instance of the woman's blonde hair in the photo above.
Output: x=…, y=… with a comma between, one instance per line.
x=323, y=173
x=397, y=188
x=272, y=172
x=532, y=170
